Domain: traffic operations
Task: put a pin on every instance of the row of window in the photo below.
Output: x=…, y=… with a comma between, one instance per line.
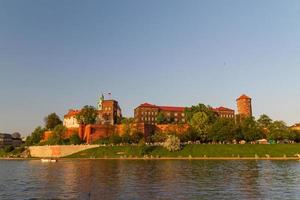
x=107, y=108
x=149, y=113
x=146, y=119
x=155, y=113
x=227, y=116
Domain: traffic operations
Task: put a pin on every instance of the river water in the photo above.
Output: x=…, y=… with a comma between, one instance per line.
x=150, y=179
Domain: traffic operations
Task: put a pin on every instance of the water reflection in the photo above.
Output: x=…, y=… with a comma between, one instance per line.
x=149, y=179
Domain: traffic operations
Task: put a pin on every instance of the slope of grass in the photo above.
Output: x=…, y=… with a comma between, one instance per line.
x=194, y=150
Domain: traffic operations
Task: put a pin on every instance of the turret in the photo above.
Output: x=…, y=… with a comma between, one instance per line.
x=244, y=106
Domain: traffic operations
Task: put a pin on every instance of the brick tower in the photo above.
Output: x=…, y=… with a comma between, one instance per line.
x=244, y=106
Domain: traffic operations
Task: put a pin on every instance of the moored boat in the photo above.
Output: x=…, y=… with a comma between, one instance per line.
x=47, y=160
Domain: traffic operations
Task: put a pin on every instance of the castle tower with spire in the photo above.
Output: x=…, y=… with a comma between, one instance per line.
x=244, y=106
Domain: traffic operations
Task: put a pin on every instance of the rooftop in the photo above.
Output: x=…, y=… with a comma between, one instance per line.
x=165, y=108
x=243, y=97
x=222, y=109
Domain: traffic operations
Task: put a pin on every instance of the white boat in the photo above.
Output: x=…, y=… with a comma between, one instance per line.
x=47, y=160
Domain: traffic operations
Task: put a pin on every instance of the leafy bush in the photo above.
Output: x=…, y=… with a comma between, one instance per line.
x=104, y=140
x=8, y=149
x=158, y=137
x=115, y=139
x=172, y=143
x=145, y=150
x=75, y=139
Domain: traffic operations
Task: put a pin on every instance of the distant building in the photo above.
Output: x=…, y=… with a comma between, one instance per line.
x=224, y=112
x=109, y=112
x=70, y=120
x=295, y=127
x=9, y=140
x=148, y=113
x=5, y=139
x=244, y=106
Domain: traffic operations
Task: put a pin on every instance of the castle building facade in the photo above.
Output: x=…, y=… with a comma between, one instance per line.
x=224, y=112
x=70, y=120
x=148, y=113
x=109, y=112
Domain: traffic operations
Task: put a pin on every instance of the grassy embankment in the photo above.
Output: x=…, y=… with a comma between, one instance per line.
x=194, y=150
x=16, y=153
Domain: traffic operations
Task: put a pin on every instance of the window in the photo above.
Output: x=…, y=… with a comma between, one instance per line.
x=182, y=114
x=175, y=114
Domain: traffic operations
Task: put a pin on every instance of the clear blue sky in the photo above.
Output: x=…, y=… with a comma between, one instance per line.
x=56, y=55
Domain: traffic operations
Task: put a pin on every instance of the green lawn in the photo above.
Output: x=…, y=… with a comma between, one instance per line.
x=194, y=150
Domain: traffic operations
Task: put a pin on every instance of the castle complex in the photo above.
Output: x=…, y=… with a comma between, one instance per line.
x=146, y=118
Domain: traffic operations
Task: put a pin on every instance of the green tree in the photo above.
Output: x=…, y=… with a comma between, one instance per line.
x=51, y=121
x=87, y=115
x=136, y=137
x=35, y=136
x=75, y=139
x=57, y=135
x=279, y=131
x=223, y=130
x=200, y=123
x=251, y=130
x=172, y=143
x=264, y=121
x=127, y=123
x=158, y=137
x=189, y=112
x=161, y=118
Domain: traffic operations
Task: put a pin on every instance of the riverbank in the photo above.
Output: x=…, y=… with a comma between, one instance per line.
x=195, y=151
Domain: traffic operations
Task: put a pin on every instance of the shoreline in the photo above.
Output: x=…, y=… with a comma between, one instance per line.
x=164, y=158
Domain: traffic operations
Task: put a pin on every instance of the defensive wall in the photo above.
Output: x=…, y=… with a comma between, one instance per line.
x=91, y=133
x=57, y=150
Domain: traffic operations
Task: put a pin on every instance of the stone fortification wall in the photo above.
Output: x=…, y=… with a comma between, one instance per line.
x=57, y=150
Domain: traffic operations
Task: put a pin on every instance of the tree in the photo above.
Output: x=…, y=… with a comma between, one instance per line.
x=223, y=130
x=158, y=136
x=57, y=135
x=127, y=123
x=136, y=137
x=279, y=131
x=87, y=115
x=189, y=112
x=251, y=130
x=75, y=139
x=35, y=136
x=51, y=121
x=16, y=135
x=264, y=121
x=200, y=123
x=161, y=118
x=172, y=143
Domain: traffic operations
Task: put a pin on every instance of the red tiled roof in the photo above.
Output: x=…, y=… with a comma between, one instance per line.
x=243, y=97
x=222, y=109
x=148, y=105
x=172, y=108
x=72, y=113
x=165, y=108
